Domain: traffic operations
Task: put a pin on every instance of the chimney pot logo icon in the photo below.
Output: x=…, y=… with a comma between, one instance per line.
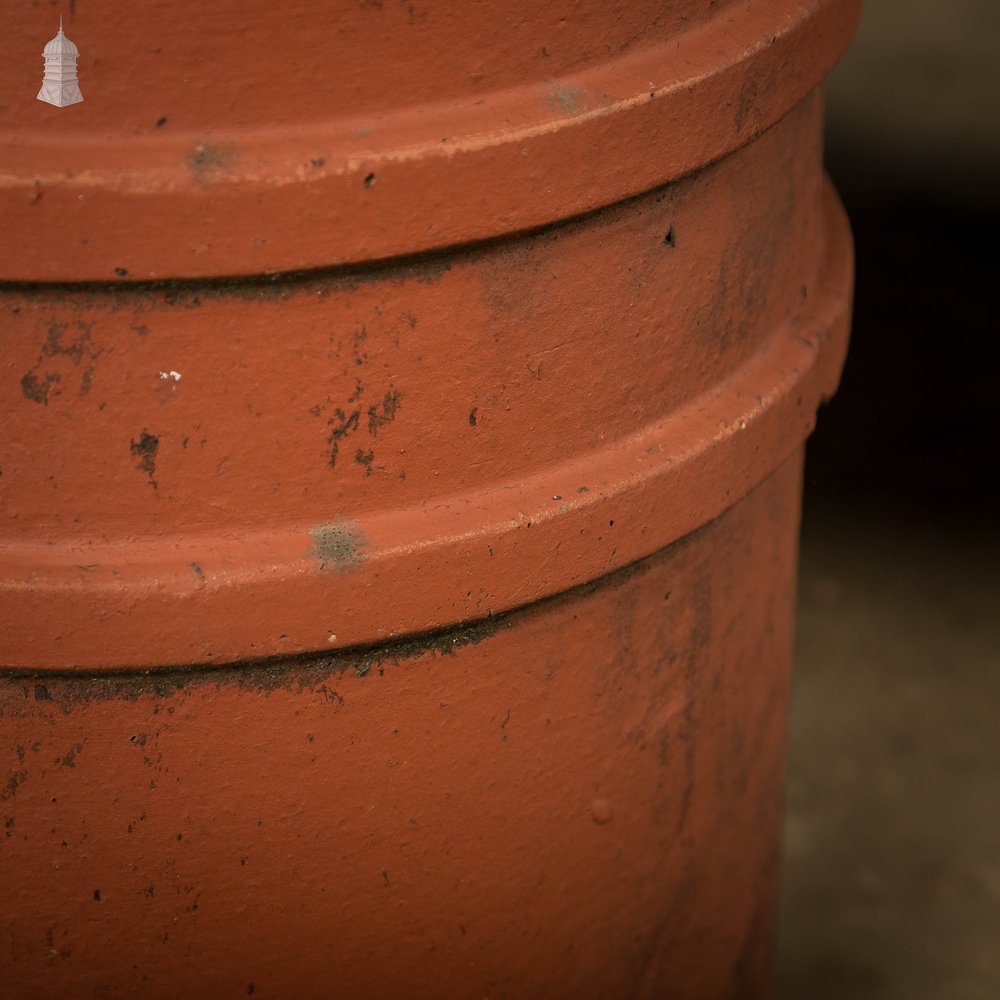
x=59, y=85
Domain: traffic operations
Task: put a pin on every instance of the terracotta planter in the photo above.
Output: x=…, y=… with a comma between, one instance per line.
x=400, y=485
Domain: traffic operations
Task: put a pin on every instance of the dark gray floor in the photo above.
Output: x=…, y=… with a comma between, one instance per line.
x=892, y=853
x=892, y=843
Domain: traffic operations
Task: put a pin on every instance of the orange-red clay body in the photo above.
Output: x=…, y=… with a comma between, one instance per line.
x=400, y=488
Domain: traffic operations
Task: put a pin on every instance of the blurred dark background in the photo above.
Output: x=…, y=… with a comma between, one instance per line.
x=892, y=842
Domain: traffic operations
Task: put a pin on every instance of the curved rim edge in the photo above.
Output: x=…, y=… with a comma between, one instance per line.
x=258, y=206
x=448, y=561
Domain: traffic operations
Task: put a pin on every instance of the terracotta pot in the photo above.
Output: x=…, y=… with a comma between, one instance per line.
x=403, y=413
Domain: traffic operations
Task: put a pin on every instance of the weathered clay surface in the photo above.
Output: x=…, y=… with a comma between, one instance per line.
x=375, y=129
x=582, y=800
x=400, y=495
x=236, y=463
